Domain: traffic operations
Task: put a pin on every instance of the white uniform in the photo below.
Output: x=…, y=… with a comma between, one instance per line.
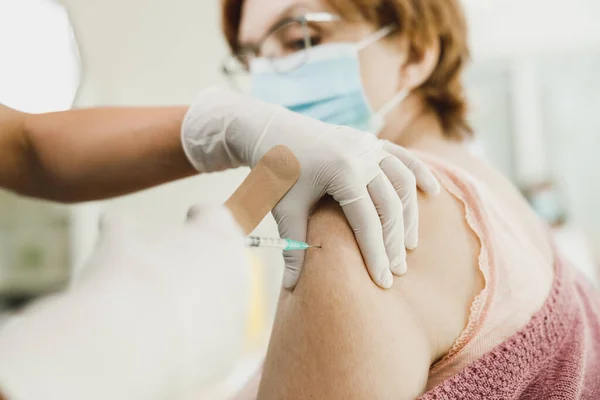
x=136, y=325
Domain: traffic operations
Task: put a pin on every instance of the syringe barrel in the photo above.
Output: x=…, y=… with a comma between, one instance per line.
x=256, y=241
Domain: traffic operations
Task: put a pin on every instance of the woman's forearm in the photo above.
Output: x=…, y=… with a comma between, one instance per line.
x=91, y=154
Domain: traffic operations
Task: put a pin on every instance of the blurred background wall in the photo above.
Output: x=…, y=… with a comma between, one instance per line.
x=533, y=85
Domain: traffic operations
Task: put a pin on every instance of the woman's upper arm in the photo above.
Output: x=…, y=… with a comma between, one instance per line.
x=338, y=336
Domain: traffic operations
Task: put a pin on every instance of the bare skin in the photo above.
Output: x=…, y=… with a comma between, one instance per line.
x=91, y=154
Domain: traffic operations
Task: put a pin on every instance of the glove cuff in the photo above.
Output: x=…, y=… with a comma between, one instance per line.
x=203, y=134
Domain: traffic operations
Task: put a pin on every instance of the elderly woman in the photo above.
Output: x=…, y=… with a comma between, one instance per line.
x=487, y=309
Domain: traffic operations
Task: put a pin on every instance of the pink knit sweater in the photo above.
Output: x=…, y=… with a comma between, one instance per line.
x=555, y=356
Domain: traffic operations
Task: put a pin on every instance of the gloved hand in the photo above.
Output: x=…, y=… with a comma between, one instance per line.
x=374, y=181
x=136, y=324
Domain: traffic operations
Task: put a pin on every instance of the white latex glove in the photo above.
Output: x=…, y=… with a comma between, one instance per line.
x=377, y=191
x=149, y=318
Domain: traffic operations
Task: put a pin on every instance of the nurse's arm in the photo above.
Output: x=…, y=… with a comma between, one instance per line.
x=90, y=154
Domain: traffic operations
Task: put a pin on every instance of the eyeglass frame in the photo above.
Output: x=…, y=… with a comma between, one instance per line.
x=255, y=49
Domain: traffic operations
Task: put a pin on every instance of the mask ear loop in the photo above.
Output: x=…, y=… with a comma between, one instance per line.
x=393, y=103
x=402, y=94
x=376, y=37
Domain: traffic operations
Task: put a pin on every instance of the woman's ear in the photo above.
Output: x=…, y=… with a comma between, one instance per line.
x=416, y=71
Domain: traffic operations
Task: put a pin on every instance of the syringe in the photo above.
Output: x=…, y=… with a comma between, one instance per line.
x=282, y=244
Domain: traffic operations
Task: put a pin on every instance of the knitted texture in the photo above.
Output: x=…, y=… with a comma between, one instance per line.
x=555, y=356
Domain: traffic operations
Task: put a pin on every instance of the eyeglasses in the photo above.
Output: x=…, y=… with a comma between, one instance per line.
x=284, y=45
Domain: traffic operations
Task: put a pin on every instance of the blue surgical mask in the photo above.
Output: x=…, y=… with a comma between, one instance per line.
x=327, y=87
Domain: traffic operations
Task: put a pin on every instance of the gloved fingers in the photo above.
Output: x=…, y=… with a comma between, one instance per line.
x=364, y=220
x=292, y=226
x=426, y=180
x=403, y=182
x=389, y=207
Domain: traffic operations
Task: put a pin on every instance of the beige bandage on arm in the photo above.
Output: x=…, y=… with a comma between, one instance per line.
x=265, y=186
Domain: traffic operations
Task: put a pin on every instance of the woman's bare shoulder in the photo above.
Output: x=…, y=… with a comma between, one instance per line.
x=340, y=336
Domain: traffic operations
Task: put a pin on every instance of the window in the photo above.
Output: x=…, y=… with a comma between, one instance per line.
x=39, y=72
x=39, y=68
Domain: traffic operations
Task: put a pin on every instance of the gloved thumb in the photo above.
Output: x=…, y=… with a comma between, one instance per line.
x=292, y=227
